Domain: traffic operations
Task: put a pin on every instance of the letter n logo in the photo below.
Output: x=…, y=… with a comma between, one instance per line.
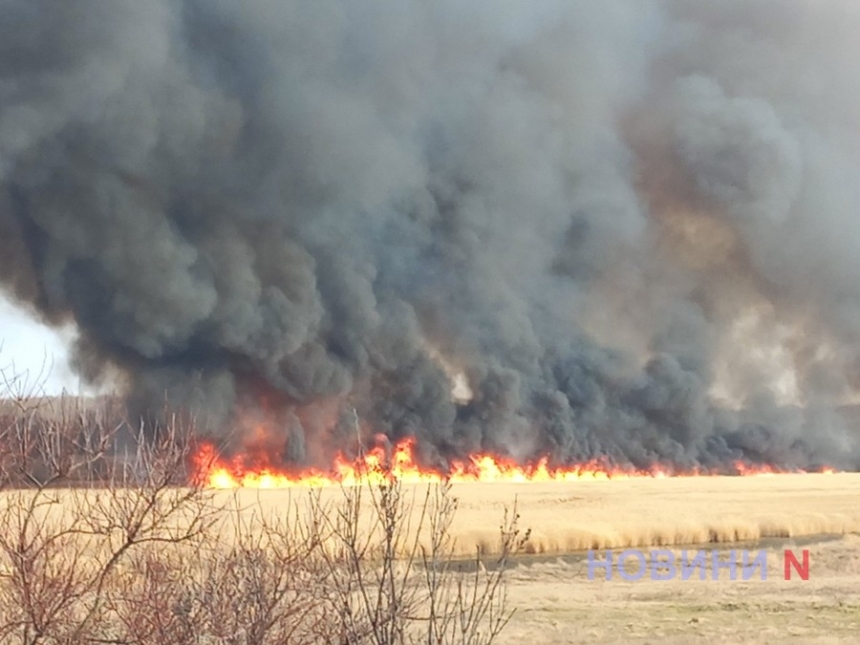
x=791, y=561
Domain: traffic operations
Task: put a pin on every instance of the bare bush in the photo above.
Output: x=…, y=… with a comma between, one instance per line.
x=397, y=583
x=105, y=540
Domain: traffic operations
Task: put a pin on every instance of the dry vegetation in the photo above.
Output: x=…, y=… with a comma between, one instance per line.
x=103, y=541
x=584, y=515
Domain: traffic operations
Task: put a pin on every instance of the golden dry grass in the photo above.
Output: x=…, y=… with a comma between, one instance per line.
x=556, y=602
x=576, y=516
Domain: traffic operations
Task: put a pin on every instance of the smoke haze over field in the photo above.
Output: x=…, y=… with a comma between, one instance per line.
x=628, y=229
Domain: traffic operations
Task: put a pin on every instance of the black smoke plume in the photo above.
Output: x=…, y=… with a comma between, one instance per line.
x=628, y=229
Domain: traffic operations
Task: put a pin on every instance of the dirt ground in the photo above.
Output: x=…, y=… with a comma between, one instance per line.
x=557, y=603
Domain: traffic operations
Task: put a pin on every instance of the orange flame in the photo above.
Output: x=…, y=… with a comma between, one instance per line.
x=376, y=466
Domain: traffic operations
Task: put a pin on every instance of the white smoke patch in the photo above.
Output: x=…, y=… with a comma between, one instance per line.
x=756, y=356
x=461, y=391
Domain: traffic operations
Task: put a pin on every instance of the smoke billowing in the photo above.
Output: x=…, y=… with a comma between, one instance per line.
x=628, y=229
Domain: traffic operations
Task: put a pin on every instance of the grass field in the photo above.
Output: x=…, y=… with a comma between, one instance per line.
x=556, y=602
x=569, y=517
x=62, y=543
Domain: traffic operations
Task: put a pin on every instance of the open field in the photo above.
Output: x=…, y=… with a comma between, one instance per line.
x=556, y=602
x=569, y=517
x=76, y=539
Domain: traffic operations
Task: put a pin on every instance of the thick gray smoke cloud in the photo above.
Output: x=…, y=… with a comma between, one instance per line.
x=633, y=226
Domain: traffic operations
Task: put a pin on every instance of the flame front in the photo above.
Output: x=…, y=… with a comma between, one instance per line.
x=378, y=464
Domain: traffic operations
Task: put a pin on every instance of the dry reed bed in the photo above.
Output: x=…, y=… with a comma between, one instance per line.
x=561, y=517
x=575, y=516
x=108, y=564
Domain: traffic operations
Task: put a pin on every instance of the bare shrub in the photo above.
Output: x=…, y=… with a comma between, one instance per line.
x=109, y=541
x=398, y=583
x=70, y=520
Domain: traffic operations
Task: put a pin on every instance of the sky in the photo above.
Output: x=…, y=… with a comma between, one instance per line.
x=35, y=353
